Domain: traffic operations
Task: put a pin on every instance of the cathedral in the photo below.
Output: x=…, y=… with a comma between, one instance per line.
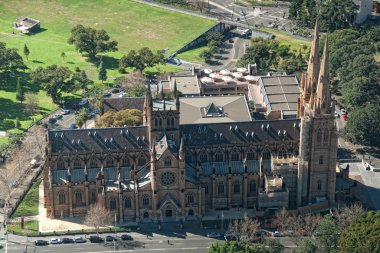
x=194, y=155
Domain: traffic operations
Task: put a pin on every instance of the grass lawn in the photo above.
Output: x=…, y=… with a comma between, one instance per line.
x=29, y=205
x=3, y=140
x=286, y=39
x=132, y=24
x=192, y=55
x=30, y=228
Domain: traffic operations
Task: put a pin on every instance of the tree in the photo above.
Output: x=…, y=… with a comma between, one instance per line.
x=206, y=55
x=81, y=117
x=306, y=246
x=363, y=125
x=10, y=60
x=281, y=219
x=97, y=216
x=337, y=14
x=20, y=96
x=17, y=124
x=57, y=79
x=31, y=103
x=95, y=96
x=326, y=235
x=215, y=38
x=91, y=41
x=142, y=59
x=362, y=235
x=349, y=214
x=127, y=117
x=245, y=228
x=359, y=90
x=26, y=51
x=273, y=245
x=102, y=71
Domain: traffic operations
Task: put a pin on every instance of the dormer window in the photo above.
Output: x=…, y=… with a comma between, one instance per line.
x=168, y=162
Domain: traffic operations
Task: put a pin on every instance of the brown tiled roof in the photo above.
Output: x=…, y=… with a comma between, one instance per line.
x=98, y=139
x=117, y=104
x=244, y=132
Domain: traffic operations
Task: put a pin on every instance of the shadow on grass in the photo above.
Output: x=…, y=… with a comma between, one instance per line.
x=40, y=30
x=110, y=62
x=12, y=110
x=37, y=61
x=8, y=82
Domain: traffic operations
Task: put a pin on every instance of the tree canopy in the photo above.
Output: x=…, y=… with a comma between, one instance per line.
x=128, y=117
x=139, y=60
x=57, y=79
x=337, y=14
x=91, y=41
x=10, y=59
x=362, y=235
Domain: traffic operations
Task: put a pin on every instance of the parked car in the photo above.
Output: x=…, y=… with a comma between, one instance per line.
x=126, y=237
x=73, y=126
x=41, y=243
x=230, y=238
x=344, y=117
x=123, y=94
x=276, y=234
x=52, y=120
x=1, y=246
x=96, y=239
x=55, y=241
x=91, y=115
x=110, y=238
x=115, y=90
x=79, y=240
x=65, y=112
x=343, y=111
x=83, y=102
x=57, y=116
x=67, y=240
x=213, y=235
x=107, y=94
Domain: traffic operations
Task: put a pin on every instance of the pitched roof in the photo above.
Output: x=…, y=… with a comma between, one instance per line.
x=98, y=139
x=117, y=104
x=242, y=132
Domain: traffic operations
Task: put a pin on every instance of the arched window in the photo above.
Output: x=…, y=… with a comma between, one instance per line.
x=78, y=197
x=237, y=187
x=252, y=186
x=93, y=197
x=145, y=201
x=319, y=185
x=235, y=156
x=60, y=164
x=168, y=123
x=127, y=202
x=77, y=163
x=319, y=136
x=282, y=153
x=160, y=123
x=113, y=204
x=190, y=198
x=141, y=161
x=219, y=157
x=266, y=155
x=321, y=159
x=203, y=157
x=168, y=162
x=206, y=189
x=125, y=162
x=326, y=136
x=62, y=198
x=110, y=162
x=155, y=122
x=220, y=188
x=251, y=155
x=94, y=163
x=172, y=122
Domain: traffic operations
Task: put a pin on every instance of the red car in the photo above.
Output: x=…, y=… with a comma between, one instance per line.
x=344, y=117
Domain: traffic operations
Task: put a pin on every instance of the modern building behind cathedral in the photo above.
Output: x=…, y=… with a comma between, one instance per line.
x=197, y=154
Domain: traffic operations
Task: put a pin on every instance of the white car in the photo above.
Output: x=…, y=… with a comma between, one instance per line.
x=343, y=111
x=213, y=235
x=83, y=102
x=55, y=241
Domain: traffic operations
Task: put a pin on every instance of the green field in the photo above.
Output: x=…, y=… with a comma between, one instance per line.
x=132, y=24
x=29, y=205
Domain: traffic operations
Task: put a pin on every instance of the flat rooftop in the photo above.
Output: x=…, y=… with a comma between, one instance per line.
x=214, y=109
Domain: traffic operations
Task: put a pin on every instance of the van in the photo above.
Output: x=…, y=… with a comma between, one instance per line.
x=247, y=32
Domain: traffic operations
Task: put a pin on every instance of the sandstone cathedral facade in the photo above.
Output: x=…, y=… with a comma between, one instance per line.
x=166, y=170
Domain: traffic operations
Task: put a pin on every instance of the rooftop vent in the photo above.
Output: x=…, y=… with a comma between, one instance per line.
x=89, y=133
x=105, y=140
x=56, y=135
x=236, y=127
x=268, y=126
x=262, y=126
x=279, y=133
x=121, y=132
x=284, y=132
x=62, y=135
x=111, y=140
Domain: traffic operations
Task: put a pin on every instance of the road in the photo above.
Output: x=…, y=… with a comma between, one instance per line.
x=157, y=243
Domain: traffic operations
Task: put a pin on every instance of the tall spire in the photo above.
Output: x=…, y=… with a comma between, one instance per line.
x=180, y=153
x=148, y=97
x=323, y=99
x=313, y=65
x=175, y=89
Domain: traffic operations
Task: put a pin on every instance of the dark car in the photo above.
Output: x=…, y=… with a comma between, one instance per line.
x=67, y=240
x=126, y=237
x=73, y=126
x=96, y=239
x=41, y=243
x=110, y=238
x=115, y=90
x=79, y=240
x=52, y=120
x=107, y=94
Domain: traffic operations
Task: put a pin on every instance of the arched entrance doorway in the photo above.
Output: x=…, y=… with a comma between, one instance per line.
x=191, y=212
x=168, y=212
x=146, y=215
